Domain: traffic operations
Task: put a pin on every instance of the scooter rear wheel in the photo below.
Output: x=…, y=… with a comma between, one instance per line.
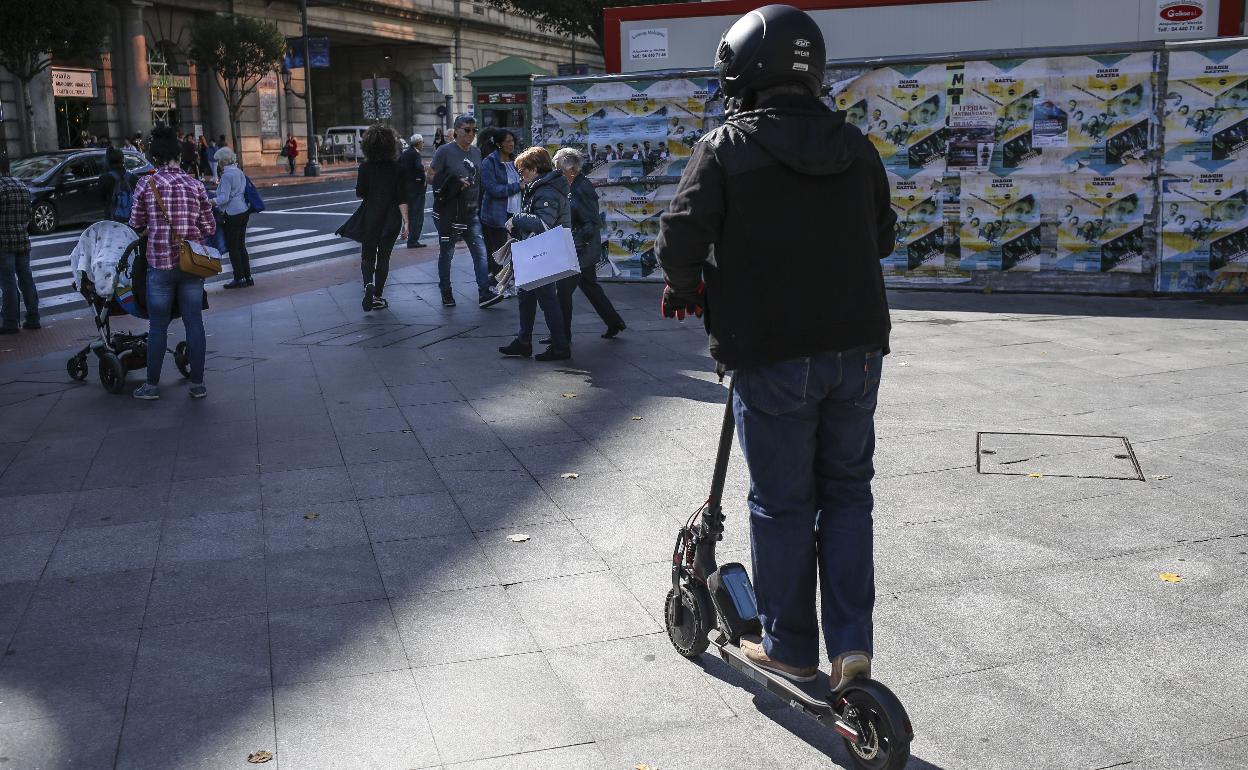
x=883, y=745
x=690, y=636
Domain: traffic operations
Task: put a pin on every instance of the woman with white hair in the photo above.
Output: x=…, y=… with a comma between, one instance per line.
x=587, y=235
x=412, y=167
x=231, y=199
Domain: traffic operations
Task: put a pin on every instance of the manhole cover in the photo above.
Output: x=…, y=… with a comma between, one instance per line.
x=1056, y=454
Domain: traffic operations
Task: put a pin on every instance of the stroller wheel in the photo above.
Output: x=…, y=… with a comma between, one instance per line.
x=182, y=359
x=112, y=375
x=77, y=367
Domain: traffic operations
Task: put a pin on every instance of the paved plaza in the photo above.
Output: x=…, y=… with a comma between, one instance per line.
x=317, y=561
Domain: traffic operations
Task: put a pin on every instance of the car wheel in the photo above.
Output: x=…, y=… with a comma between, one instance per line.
x=43, y=218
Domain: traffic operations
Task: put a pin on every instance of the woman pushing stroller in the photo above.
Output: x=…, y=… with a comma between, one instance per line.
x=172, y=206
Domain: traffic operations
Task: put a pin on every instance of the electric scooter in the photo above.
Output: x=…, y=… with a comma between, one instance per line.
x=868, y=717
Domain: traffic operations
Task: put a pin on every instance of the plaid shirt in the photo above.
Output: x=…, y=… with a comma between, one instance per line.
x=14, y=215
x=186, y=200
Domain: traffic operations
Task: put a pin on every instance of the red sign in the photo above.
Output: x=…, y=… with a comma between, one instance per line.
x=1182, y=12
x=511, y=97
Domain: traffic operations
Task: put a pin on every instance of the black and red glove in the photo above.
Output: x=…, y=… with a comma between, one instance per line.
x=677, y=305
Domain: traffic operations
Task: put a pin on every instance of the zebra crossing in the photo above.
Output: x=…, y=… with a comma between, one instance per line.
x=270, y=249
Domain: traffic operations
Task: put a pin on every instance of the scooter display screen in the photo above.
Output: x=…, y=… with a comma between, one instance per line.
x=737, y=581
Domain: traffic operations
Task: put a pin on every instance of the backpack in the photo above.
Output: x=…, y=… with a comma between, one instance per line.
x=123, y=195
x=250, y=194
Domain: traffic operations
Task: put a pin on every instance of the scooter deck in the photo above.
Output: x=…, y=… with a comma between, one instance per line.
x=810, y=697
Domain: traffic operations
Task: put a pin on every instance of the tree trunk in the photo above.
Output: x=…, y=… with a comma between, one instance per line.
x=30, y=142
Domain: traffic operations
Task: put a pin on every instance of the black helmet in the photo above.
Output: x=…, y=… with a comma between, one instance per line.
x=772, y=45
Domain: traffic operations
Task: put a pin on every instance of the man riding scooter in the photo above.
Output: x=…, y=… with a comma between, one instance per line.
x=776, y=232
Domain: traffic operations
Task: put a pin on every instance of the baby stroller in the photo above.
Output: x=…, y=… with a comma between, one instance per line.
x=110, y=268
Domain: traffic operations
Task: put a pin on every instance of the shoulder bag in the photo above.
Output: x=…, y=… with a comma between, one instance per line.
x=190, y=260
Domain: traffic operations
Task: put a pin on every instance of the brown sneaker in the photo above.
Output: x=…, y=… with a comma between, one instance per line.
x=752, y=646
x=848, y=666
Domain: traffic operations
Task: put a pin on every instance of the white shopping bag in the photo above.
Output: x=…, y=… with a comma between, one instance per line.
x=544, y=258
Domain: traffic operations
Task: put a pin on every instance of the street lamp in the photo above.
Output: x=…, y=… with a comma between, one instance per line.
x=312, y=167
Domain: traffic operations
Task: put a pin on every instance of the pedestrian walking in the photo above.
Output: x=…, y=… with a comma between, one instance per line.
x=587, y=235
x=190, y=155
x=116, y=187
x=500, y=194
x=544, y=205
x=413, y=167
x=231, y=200
x=171, y=206
x=803, y=321
x=208, y=158
x=15, y=275
x=381, y=186
x=291, y=151
x=456, y=170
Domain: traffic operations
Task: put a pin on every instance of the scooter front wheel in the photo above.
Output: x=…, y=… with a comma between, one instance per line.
x=687, y=616
x=884, y=731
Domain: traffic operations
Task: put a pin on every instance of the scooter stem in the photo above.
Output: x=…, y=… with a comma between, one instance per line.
x=725, y=450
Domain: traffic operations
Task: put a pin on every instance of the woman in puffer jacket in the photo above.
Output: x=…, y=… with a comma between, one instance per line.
x=544, y=204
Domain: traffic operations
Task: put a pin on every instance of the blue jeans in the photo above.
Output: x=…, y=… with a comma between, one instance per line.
x=548, y=298
x=15, y=276
x=807, y=429
x=162, y=287
x=476, y=246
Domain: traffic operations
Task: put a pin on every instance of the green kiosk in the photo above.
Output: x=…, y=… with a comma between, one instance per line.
x=502, y=95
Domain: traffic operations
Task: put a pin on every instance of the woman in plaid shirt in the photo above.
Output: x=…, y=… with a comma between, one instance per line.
x=189, y=217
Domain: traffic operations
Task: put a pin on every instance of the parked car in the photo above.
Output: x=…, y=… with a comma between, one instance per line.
x=64, y=185
x=344, y=143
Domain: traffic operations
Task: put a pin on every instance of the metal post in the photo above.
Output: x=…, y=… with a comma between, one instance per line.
x=312, y=167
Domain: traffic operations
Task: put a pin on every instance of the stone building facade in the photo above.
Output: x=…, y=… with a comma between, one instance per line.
x=142, y=74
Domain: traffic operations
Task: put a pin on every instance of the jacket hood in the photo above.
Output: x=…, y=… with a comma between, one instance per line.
x=805, y=136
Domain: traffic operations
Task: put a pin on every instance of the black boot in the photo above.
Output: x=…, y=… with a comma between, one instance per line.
x=237, y=283
x=517, y=348
x=613, y=330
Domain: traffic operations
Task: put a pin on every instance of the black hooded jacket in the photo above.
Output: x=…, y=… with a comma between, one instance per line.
x=784, y=211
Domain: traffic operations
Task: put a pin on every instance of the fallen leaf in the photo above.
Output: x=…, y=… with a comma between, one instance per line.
x=569, y=395
x=406, y=430
x=1161, y=477
x=987, y=290
x=569, y=475
x=310, y=515
x=636, y=418
x=1170, y=577
x=520, y=538
x=259, y=757
x=903, y=363
x=1035, y=475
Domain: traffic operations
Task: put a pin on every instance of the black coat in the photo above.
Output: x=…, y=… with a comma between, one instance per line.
x=381, y=186
x=412, y=167
x=543, y=205
x=796, y=204
x=586, y=221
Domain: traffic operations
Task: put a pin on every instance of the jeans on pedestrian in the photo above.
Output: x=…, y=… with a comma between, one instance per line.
x=807, y=430
x=290, y=164
x=416, y=217
x=235, y=226
x=162, y=287
x=15, y=278
x=545, y=296
x=375, y=262
x=447, y=236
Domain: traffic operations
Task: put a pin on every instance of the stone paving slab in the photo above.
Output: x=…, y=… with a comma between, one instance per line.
x=315, y=561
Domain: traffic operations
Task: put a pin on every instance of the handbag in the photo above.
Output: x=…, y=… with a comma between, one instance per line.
x=544, y=258
x=193, y=258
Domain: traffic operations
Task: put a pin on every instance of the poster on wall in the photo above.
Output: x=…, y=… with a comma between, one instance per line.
x=266, y=94
x=1007, y=90
x=630, y=227
x=1204, y=233
x=1206, y=110
x=921, y=245
x=902, y=110
x=1000, y=225
x=1101, y=225
x=1109, y=103
x=972, y=137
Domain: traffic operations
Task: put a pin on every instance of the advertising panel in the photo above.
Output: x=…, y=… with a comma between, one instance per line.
x=1101, y=227
x=1204, y=234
